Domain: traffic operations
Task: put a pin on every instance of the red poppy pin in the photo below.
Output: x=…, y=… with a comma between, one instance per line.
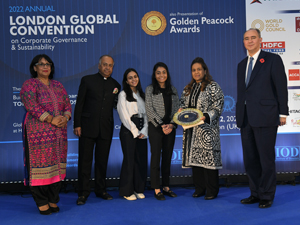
x=262, y=60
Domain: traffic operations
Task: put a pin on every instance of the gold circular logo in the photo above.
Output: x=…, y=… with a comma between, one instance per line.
x=154, y=23
x=258, y=22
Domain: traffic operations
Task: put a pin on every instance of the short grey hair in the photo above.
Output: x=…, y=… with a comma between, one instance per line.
x=257, y=30
x=105, y=56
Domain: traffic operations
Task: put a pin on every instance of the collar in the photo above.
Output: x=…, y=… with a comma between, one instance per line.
x=255, y=56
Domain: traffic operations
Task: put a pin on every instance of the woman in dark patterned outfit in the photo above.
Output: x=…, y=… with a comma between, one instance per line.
x=201, y=144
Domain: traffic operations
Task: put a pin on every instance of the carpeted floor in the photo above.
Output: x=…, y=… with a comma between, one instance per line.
x=17, y=208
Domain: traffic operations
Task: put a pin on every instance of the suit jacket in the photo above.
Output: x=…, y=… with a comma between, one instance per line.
x=155, y=106
x=266, y=94
x=94, y=106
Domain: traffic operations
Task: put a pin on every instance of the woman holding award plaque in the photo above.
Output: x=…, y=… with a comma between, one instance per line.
x=162, y=103
x=201, y=143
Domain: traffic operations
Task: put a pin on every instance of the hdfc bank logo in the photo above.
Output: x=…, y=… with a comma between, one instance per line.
x=294, y=74
x=275, y=46
x=287, y=153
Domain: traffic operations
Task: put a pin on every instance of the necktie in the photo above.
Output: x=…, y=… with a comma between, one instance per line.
x=249, y=71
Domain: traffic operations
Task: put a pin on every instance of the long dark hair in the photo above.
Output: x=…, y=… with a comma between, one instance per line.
x=128, y=90
x=155, y=84
x=35, y=60
x=207, y=79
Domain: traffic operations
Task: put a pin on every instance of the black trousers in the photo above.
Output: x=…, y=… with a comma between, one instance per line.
x=44, y=194
x=259, y=159
x=206, y=181
x=134, y=167
x=85, y=160
x=161, y=146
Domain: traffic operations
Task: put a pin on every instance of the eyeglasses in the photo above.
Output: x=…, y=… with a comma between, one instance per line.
x=43, y=65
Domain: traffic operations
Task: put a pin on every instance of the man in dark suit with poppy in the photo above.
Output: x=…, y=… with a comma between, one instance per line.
x=94, y=124
x=261, y=107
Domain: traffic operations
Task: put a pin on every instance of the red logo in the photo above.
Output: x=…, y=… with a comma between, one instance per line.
x=255, y=1
x=297, y=24
x=262, y=60
x=272, y=45
x=294, y=74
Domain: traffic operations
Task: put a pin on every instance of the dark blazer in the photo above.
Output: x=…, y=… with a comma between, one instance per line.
x=266, y=94
x=94, y=106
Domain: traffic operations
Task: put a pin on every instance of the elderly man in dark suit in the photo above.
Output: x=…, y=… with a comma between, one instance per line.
x=261, y=106
x=94, y=124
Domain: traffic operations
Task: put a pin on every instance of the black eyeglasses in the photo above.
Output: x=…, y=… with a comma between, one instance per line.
x=43, y=65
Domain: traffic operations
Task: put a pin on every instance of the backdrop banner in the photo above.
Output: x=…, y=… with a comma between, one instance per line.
x=138, y=34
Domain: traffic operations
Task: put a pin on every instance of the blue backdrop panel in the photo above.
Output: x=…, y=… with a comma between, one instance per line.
x=117, y=31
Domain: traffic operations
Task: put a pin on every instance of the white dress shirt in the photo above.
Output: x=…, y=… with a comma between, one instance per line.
x=126, y=109
x=255, y=56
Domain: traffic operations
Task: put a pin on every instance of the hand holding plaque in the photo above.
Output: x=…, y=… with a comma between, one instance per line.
x=188, y=118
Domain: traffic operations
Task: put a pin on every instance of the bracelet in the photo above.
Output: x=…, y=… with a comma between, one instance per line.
x=67, y=118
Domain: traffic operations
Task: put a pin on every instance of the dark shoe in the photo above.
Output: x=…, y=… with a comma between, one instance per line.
x=198, y=194
x=169, y=193
x=210, y=197
x=81, y=200
x=159, y=196
x=265, y=203
x=250, y=200
x=46, y=212
x=54, y=209
x=104, y=195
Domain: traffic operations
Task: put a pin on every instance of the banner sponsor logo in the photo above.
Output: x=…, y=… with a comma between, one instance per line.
x=176, y=156
x=297, y=24
x=229, y=103
x=295, y=122
x=259, y=24
x=274, y=46
x=287, y=153
x=255, y=1
x=269, y=25
x=296, y=96
x=294, y=74
x=294, y=111
x=296, y=63
x=154, y=23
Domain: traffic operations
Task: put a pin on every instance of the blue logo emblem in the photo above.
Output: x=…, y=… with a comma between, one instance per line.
x=176, y=156
x=229, y=103
x=287, y=153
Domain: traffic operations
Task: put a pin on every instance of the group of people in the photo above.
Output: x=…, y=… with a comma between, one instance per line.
x=261, y=107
